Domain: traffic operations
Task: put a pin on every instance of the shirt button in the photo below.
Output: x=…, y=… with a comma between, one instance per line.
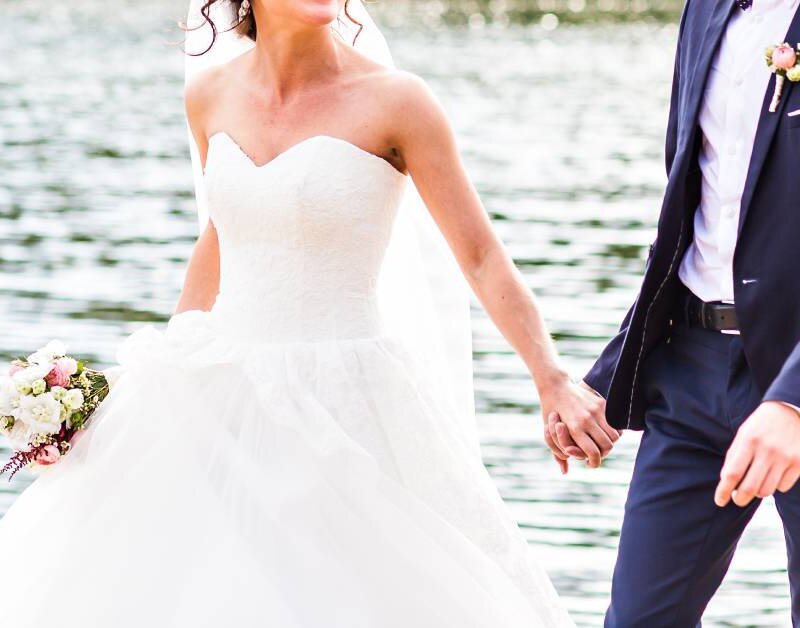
x=739, y=81
x=730, y=211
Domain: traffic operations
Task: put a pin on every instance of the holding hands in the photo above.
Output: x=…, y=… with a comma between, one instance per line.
x=764, y=457
x=575, y=425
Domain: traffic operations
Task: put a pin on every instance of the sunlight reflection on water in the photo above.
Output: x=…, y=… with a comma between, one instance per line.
x=96, y=222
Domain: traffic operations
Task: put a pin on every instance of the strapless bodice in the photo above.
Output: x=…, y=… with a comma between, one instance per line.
x=301, y=238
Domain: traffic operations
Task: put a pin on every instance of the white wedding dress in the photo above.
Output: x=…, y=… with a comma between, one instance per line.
x=278, y=461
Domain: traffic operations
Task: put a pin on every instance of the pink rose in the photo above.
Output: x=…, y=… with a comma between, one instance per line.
x=70, y=365
x=14, y=368
x=48, y=455
x=60, y=373
x=784, y=57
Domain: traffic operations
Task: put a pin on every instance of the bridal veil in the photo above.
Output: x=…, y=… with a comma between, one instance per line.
x=423, y=296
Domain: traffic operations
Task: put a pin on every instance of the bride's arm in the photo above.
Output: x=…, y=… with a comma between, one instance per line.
x=201, y=283
x=427, y=146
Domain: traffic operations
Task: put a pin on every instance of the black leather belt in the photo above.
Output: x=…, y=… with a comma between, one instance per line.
x=713, y=316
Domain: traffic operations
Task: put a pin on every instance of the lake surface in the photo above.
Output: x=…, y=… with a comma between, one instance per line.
x=561, y=128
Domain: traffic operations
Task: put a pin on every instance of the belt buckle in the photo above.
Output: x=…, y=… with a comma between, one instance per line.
x=730, y=332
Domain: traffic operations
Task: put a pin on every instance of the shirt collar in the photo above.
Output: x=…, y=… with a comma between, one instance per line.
x=765, y=5
x=773, y=4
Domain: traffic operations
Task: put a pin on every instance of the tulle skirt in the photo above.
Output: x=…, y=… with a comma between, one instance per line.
x=263, y=484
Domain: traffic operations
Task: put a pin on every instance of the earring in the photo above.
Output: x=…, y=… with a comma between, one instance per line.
x=244, y=9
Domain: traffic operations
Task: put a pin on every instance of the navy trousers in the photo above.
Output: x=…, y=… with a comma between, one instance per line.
x=676, y=544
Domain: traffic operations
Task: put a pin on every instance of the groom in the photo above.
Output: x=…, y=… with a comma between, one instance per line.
x=707, y=362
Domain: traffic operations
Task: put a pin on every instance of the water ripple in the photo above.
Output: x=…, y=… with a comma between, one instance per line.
x=562, y=130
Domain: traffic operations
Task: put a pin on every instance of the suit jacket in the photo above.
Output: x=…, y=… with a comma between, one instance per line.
x=766, y=263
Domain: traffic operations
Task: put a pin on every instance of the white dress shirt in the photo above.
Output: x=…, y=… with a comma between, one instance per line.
x=729, y=115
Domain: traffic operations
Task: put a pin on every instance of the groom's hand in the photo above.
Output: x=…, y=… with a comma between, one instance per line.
x=764, y=456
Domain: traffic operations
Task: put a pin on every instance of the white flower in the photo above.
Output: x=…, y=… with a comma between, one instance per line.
x=73, y=399
x=41, y=413
x=58, y=392
x=52, y=350
x=9, y=397
x=31, y=373
x=17, y=434
x=24, y=388
x=38, y=386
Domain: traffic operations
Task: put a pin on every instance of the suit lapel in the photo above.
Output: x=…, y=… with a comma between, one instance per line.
x=717, y=22
x=767, y=125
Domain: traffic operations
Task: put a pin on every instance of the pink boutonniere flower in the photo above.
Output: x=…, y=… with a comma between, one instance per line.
x=784, y=62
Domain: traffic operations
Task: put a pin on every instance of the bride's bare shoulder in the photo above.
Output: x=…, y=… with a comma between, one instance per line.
x=389, y=81
x=407, y=103
x=395, y=90
x=200, y=89
x=207, y=88
x=407, y=89
x=199, y=96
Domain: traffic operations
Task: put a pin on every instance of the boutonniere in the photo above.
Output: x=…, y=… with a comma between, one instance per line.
x=784, y=62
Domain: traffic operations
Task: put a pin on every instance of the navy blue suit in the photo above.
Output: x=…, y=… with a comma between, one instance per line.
x=768, y=248
x=689, y=390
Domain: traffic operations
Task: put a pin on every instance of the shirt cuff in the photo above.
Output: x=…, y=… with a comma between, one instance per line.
x=792, y=406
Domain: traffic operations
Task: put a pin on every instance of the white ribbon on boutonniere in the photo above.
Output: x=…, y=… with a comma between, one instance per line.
x=784, y=62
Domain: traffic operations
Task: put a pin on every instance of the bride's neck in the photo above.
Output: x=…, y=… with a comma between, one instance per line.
x=290, y=57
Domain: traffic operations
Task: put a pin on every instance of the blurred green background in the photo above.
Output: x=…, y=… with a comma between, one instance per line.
x=526, y=12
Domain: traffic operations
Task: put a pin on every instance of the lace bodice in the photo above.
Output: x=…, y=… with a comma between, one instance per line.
x=322, y=454
x=301, y=237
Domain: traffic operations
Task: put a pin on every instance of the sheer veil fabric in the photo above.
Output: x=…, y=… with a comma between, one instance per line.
x=283, y=459
x=423, y=296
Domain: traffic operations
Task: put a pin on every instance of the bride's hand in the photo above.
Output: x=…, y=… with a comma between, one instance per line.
x=559, y=455
x=575, y=424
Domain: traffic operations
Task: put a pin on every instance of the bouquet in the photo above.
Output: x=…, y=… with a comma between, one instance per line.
x=44, y=401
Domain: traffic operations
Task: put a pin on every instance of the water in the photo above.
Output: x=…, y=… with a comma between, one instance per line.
x=561, y=128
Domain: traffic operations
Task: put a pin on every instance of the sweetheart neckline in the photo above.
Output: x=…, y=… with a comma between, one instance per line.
x=354, y=147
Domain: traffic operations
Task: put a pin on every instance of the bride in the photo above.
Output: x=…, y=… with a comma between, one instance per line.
x=280, y=456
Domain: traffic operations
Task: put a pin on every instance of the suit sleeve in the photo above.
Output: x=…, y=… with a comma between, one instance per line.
x=600, y=375
x=671, y=145
x=786, y=387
